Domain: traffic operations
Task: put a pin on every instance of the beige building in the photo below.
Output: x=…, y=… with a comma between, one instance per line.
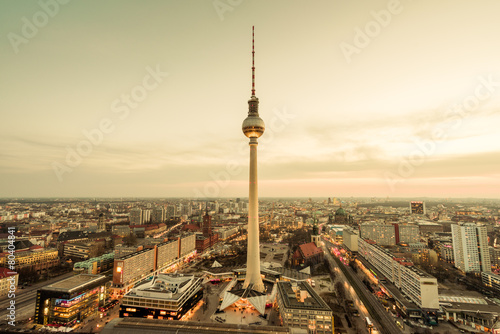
x=301, y=307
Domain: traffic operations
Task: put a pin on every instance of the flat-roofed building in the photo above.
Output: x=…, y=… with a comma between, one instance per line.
x=407, y=233
x=491, y=280
x=418, y=286
x=133, y=267
x=351, y=239
x=470, y=247
x=446, y=251
x=187, y=244
x=167, y=252
x=301, y=307
x=164, y=297
x=382, y=234
x=70, y=300
x=80, y=250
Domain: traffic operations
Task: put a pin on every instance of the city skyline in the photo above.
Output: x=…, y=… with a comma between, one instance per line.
x=358, y=99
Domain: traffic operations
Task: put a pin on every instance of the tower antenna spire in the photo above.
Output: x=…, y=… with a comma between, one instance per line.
x=253, y=62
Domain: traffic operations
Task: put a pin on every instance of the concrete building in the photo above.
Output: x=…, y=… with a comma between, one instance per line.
x=406, y=233
x=167, y=252
x=470, y=247
x=133, y=267
x=301, y=307
x=351, y=238
x=382, y=234
x=491, y=280
x=164, y=297
x=37, y=258
x=446, y=251
x=136, y=217
x=495, y=256
x=419, y=287
x=8, y=281
x=158, y=215
x=80, y=250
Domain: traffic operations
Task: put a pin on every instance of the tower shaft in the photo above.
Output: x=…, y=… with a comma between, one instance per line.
x=253, y=252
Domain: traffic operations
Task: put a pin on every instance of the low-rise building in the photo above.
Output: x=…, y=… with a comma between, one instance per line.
x=163, y=297
x=70, y=300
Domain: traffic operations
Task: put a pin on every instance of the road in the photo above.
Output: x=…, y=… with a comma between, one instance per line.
x=386, y=324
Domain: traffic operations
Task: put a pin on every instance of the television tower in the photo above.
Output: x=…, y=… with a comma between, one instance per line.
x=253, y=127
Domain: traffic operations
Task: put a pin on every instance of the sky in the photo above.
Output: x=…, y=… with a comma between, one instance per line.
x=146, y=98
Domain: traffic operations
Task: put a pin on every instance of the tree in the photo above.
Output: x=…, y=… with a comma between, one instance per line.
x=340, y=290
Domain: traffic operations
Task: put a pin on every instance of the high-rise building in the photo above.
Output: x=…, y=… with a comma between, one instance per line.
x=470, y=247
x=158, y=214
x=101, y=225
x=136, y=216
x=171, y=211
x=417, y=208
x=253, y=127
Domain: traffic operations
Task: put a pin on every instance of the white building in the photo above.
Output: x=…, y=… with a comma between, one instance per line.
x=470, y=247
x=351, y=239
x=420, y=287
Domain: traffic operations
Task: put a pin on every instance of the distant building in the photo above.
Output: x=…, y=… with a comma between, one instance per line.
x=406, y=233
x=70, y=300
x=121, y=230
x=37, y=259
x=341, y=216
x=164, y=297
x=429, y=227
x=301, y=307
x=158, y=215
x=382, y=234
x=95, y=265
x=495, y=256
x=80, y=250
x=351, y=239
x=417, y=208
x=8, y=281
x=136, y=217
x=491, y=280
x=446, y=251
x=470, y=247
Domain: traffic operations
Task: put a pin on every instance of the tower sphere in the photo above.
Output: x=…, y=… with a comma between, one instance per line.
x=253, y=126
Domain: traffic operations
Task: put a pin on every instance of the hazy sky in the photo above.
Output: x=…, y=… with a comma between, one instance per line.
x=360, y=98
